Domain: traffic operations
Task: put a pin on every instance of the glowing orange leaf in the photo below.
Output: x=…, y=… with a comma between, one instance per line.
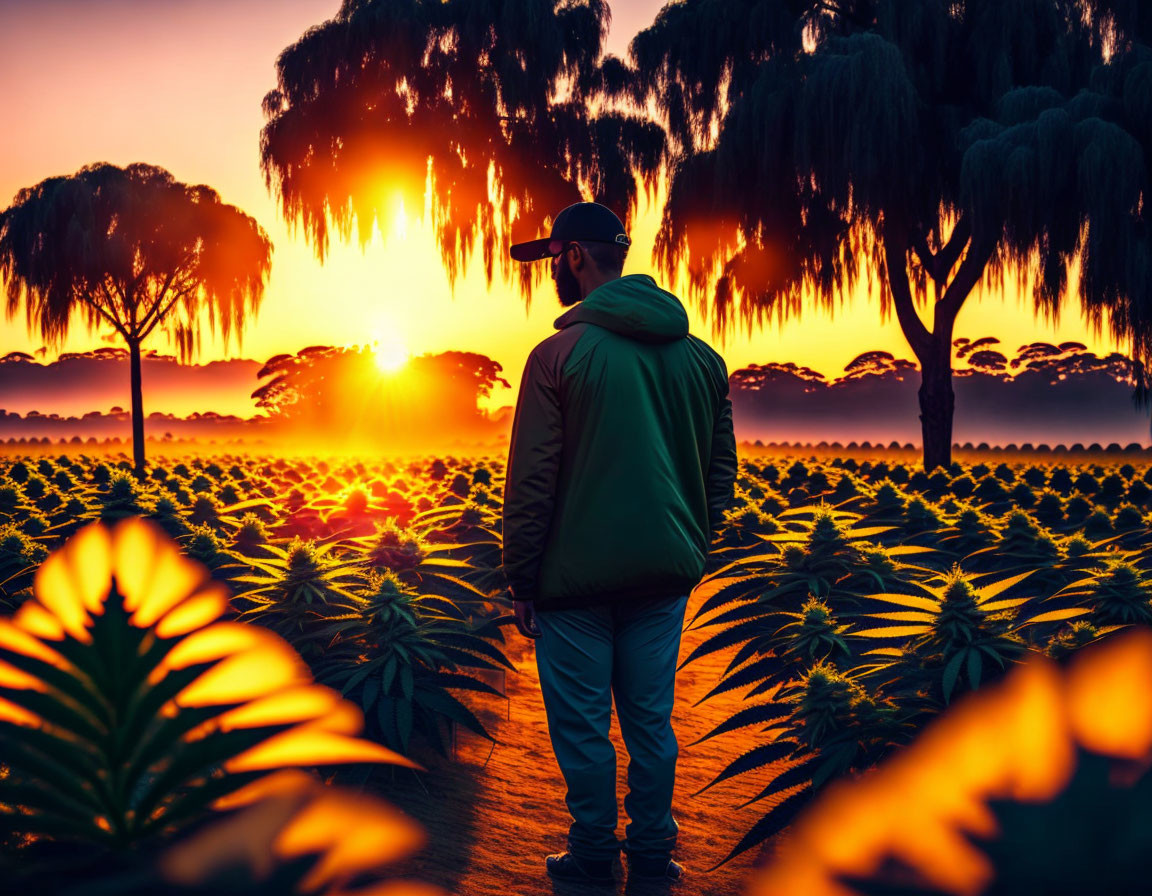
x=132, y=585
x=247, y=675
x=290, y=815
x=313, y=747
x=194, y=613
x=352, y=832
x=290, y=705
x=1109, y=702
x=1013, y=740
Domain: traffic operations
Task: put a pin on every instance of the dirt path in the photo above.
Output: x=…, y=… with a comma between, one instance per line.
x=493, y=813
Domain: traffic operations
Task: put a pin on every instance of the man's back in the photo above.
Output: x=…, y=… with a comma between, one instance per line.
x=622, y=454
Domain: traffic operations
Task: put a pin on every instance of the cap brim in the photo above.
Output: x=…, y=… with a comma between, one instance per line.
x=533, y=250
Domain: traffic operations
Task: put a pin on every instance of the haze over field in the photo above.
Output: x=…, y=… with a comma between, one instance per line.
x=1059, y=395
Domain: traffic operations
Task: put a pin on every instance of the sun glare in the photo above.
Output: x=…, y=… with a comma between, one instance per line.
x=400, y=220
x=390, y=355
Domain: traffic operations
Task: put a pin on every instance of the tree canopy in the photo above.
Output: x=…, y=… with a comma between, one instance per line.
x=506, y=109
x=133, y=249
x=136, y=250
x=937, y=144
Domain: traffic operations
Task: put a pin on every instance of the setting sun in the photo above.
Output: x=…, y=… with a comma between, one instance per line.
x=390, y=354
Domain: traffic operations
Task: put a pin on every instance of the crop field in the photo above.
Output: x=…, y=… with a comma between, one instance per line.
x=846, y=603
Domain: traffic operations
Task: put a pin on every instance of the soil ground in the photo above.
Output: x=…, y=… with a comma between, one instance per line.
x=494, y=812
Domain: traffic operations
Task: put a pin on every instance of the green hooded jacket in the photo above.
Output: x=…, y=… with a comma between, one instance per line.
x=622, y=457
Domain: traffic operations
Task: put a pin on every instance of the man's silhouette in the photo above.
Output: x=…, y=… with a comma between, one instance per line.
x=621, y=463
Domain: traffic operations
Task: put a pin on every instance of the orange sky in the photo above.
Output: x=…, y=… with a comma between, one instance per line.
x=179, y=83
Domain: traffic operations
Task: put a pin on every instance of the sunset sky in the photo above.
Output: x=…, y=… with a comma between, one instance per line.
x=178, y=84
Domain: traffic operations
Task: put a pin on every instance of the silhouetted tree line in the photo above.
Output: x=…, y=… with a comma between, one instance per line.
x=78, y=382
x=320, y=395
x=1044, y=394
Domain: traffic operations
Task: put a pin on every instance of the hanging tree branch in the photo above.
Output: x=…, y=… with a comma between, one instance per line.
x=924, y=255
x=969, y=274
x=176, y=297
x=950, y=252
x=895, y=243
x=107, y=315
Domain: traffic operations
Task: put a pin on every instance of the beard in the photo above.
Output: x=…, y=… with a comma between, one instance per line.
x=567, y=286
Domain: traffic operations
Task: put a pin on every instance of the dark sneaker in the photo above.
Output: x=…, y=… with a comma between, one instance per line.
x=659, y=868
x=565, y=866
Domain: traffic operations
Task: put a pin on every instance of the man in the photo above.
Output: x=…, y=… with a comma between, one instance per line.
x=621, y=463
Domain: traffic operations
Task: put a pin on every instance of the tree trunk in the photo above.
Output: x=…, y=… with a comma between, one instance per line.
x=933, y=348
x=137, y=409
x=937, y=403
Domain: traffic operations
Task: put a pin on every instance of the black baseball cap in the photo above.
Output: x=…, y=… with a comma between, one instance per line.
x=582, y=221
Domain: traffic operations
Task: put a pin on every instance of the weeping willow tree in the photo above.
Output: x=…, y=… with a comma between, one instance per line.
x=499, y=112
x=937, y=144
x=135, y=250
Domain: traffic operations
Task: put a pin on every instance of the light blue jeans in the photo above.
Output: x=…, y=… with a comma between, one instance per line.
x=584, y=657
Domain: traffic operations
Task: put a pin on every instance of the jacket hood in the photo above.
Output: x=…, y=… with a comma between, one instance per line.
x=633, y=306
